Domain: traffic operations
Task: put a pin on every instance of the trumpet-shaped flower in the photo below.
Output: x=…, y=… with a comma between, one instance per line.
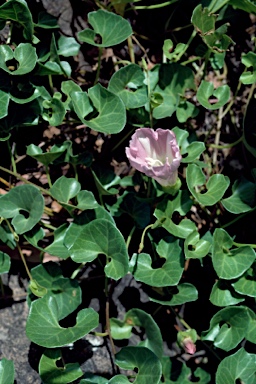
x=155, y=153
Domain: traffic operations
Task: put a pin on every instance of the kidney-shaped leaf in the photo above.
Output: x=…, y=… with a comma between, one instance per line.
x=50, y=373
x=246, y=284
x=228, y=327
x=223, y=295
x=241, y=365
x=43, y=327
x=242, y=198
x=66, y=292
x=18, y=11
x=171, y=271
x=230, y=263
x=128, y=84
x=65, y=189
x=111, y=116
x=100, y=236
x=112, y=28
x=206, y=90
x=194, y=247
x=148, y=364
x=6, y=371
x=137, y=317
x=23, y=198
x=249, y=60
x=24, y=53
x=216, y=185
x=47, y=158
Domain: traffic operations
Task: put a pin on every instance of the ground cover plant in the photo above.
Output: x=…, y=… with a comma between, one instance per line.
x=128, y=149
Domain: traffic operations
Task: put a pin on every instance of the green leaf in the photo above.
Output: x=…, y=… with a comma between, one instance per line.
x=230, y=263
x=242, y=198
x=111, y=110
x=6, y=236
x=186, y=293
x=23, y=198
x=137, y=318
x=142, y=358
x=174, y=79
x=37, y=289
x=46, y=21
x=56, y=248
x=104, y=187
x=47, y=158
x=194, y=247
x=223, y=295
x=185, y=110
x=68, y=46
x=216, y=185
x=24, y=54
x=100, y=236
x=65, y=189
x=240, y=365
x=203, y=21
x=4, y=102
x=164, y=212
x=190, y=151
x=54, y=111
x=5, y=262
x=128, y=84
x=43, y=327
x=50, y=373
x=66, y=292
x=6, y=369
x=173, y=54
x=228, y=327
x=169, y=274
x=249, y=60
x=18, y=11
x=246, y=5
x=112, y=28
x=206, y=90
x=246, y=284
x=90, y=378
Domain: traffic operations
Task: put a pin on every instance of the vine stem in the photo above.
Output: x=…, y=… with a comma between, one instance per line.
x=108, y=329
x=243, y=245
x=130, y=237
x=141, y=246
x=24, y=261
x=99, y=65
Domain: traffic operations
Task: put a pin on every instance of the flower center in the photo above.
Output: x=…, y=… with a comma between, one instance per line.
x=153, y=162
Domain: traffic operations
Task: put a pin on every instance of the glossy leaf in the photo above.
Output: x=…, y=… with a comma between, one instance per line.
x=137, y=318
x=194, y=247
x=186, y=293
x=185, y=110
x=66, y=292
x=206, y=90
x=112, y=28
x=100, y=236
x=5, y=262
x=246, y=5
x=228, y=327
x=242, y=198
x=24, y=54
x=246, y=284
x=170, y=53
x=240, y=365
x=6, y=371
x=65, y=189
x=223, y=295
x=68, y=46
x=54, y=111
x=169, y=274
x=190, y=151
x=4, y=102
x=111, y=116
x=6, y=236
x=46, y=21
x=50, y=373
x=174, y=79
x=164, y=212
x=50, y=334
x=47, y=158
x=216, y=185
x=249, y=60
x=148, y=364
x=23, y=198
x=18, y=11
x=128, y=84
x=203, y=21
x=230, y=263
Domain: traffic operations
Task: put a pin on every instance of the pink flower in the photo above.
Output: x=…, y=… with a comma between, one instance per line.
x=155, y=153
